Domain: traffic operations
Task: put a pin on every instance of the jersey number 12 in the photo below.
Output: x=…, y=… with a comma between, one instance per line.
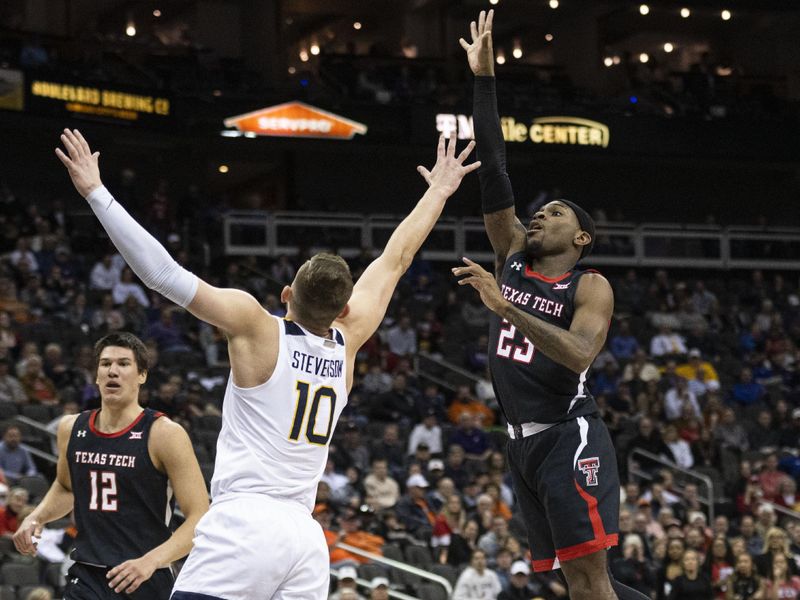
x=508, y=349
x=104, y=495
x=321, y=393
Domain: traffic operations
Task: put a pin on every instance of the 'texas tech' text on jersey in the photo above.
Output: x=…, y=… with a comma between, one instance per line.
x=530, y=386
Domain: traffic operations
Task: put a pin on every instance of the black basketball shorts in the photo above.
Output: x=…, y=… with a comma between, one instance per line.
x=85, y=582
x=567, y=485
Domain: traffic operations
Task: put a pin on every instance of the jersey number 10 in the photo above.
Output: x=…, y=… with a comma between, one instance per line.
x=322, y=392
x=508, y=349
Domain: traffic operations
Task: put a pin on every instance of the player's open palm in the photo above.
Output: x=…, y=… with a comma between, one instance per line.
x=449, y=169
x=479, y=52
x=81, y=163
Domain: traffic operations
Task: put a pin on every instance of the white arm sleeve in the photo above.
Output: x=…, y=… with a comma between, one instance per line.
x=144, y=254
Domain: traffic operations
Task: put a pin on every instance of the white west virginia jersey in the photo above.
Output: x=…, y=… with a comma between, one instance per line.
x=274, y=437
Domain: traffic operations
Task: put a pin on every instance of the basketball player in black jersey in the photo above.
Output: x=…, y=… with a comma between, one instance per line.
x=549, y=321
x=118, y=468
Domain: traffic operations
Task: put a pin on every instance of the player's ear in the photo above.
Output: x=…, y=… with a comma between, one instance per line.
x=286, y=294
x=582, y=238
x=345, y=312
x=142, y=377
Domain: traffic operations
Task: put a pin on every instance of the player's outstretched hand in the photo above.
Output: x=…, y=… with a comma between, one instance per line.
x=480, y=53
x=484, y=282
x=81, y=163
x=27, y=535
x=127, y=577
x=449, y=169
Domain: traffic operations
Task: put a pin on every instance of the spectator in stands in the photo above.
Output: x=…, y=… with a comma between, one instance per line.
x=747, y=393
x=770, y=478
x=346, y=586
x=754, y=543
x=351, y=450
x=471, y=436
x=730, y=433
x=391, y=448
x=704, y=300
x=640, y=370
x=624, y=345
x=402, y=338
x=649, y=440
x=126, y=287
x=431, y=399
x=671, y=568
x=718, y=565
x=379, y=588
x=427, y=432
x=167, y=333
x=15, y=461
x=282, y=270
x=38, y=386
x=464, y=402
x=632, y=568
x=494, y=539
x=745, y=583
x=477, y=582
x=398, y=405
x=104, y=275
x=9, y=340
x=381, y=490
x=677, y=397
x=376, y=381
x=776, y=543
x=780, y=581
x=22, y=259
x=692, y=584
x=10, y=387
x=520, y=586
x=413, y=509
x=762, y=435
x=697, y=369
x=13, y=512
x=787, y=495
x=667, y=343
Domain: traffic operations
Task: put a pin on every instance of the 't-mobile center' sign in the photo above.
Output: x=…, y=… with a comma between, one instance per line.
x=296, y=119
x=572, y=131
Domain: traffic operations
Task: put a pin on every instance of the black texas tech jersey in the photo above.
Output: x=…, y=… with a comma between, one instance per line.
x=123, y=504
x=531, y=387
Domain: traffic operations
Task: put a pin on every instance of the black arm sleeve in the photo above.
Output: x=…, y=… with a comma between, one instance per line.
x=496, y=192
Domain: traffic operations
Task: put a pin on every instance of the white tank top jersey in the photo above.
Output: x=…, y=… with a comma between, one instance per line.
x=274, y=437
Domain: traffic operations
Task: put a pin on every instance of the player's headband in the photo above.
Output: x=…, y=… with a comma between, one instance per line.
x=586, y=222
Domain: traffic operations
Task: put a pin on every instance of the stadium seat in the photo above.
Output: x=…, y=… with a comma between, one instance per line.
x=7, y=592
x=369, y=571
x=209, y=439
x=431, y=591
x=209, y=423
x=449, y=572
x=419, y=556
x=37, y=412
x=36, y=485
x=18, y=574
x=202, y=453
x=53, y=577
x=8, y=410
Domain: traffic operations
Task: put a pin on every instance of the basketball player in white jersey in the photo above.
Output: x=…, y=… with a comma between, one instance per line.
x=288, y=385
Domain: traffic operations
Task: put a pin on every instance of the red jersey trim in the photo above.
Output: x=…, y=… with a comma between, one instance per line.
x=535, y=275
x=586, y=548
x=99, y=433
x=543, y=565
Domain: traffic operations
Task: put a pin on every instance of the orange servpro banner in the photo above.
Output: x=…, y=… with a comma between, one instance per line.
x=296, y=119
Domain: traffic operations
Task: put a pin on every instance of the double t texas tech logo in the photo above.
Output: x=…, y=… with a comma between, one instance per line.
x=590, y=467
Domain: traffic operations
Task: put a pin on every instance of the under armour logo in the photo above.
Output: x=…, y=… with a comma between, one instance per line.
x=516, y=265
x=136, y=435
x=590, y=467
x=561, y=286
x=82, y=433
x=74, y=581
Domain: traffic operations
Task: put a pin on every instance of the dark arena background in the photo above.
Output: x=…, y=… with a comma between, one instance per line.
x=247, y=135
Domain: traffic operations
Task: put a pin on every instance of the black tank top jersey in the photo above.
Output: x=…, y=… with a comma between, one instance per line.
x=529, y=386
x=123, y=504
